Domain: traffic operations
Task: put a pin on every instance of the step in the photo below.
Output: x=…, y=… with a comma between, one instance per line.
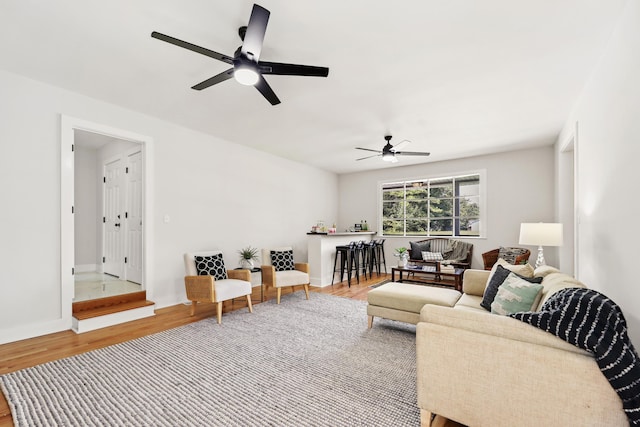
x=89, y=305
x=104, y=312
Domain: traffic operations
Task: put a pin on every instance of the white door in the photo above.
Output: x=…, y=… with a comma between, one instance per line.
x=112, y=260
x=133, y=218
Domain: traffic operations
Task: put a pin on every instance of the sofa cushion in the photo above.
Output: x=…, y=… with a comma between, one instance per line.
x=417, y=248
x=553, y=282
x=432, y=256
x=544, y=270
x=471, y=302
x=411, y=298
x=212, y=265
x=515, y=295
x=496, y=280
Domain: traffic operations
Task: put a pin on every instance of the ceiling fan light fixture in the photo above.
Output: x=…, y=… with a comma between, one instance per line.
x=245, y=75
x=389, y=157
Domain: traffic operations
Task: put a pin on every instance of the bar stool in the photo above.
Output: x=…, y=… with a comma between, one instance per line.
x=372, y=258
x=348, y=261
x=380, y=255
x=362, y=253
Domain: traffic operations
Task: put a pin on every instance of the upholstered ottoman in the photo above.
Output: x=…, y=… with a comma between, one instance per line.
x=403, y=302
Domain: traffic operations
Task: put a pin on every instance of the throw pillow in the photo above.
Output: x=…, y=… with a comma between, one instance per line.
x=212, y=265
x=498, y=279
x=432, y=256
x=516, y=295
x=282, y=260
x=524, y=270
x=417, y=248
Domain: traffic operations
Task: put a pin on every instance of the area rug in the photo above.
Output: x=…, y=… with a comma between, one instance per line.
x=300, y=363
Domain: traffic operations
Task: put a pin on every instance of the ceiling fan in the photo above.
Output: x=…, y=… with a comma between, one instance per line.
x=247, y=68
x=389, y=152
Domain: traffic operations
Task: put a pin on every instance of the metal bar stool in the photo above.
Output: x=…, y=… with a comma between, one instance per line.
x=348, y=262
x=380, y=254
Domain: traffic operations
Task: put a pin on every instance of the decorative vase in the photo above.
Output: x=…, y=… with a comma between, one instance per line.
x=402, y=261
x=247, y=263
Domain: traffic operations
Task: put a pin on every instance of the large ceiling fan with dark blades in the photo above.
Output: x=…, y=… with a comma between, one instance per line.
x=247, y=68
x=389, y=152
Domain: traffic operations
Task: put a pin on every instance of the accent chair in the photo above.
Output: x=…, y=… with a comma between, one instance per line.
x=279, y=270
x=207, y=280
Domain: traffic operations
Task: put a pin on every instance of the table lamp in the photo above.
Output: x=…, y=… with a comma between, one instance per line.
x=541, y=234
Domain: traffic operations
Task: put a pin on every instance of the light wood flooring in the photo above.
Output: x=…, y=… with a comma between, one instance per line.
x=35, y=351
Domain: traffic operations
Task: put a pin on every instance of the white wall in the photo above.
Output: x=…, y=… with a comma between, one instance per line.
x=520, y=188
x=216, y=193
x=608, y=117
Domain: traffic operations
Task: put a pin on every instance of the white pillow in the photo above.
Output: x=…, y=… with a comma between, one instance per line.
x=432, y=256
x=524, y=270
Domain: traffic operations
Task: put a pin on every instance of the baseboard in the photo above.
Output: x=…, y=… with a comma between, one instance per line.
x=85, y=268
x=93, y=323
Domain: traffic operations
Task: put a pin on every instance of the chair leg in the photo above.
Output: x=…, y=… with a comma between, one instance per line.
x=279, y=293
x=249, y=303
x=219, y=312
x=306, y=290
x=370, y=322
x=193, y=307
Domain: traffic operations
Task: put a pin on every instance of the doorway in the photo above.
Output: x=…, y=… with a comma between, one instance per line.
x=82, y=223
x=108, y=216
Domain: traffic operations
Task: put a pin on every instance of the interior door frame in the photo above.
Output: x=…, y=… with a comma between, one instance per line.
x=68, y=125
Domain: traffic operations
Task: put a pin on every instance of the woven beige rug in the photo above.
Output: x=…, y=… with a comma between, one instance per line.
x=300, y=363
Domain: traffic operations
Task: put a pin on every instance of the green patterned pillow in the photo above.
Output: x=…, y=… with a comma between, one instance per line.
x=515, y=295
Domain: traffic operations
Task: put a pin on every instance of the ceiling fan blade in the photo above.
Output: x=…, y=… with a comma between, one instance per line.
x=254, y=37
x=369, y=149
x=282, y=69
x=412, y=153
x=192, y=47
x=219, y=78
x=400, y=144
x=266, y=91
x=368, y=157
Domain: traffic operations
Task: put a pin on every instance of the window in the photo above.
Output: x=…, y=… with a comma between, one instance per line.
x=448, y=206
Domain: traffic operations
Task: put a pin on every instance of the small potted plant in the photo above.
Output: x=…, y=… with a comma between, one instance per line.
x=403, y=256
x=247, y=256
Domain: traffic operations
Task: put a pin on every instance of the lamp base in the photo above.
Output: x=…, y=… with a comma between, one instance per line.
x=540, y=260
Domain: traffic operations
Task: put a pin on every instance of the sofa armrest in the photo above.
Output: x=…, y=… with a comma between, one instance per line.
x=474, y=281
x=483, y=369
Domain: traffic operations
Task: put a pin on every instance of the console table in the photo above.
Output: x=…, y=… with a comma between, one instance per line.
x=429, y=275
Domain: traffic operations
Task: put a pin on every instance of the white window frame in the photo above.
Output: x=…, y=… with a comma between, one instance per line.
x=482, y=173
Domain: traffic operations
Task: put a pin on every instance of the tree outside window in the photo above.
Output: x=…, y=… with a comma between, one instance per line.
x=432, y=207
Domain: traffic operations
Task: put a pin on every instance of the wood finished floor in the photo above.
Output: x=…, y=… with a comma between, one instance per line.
x=34, y=351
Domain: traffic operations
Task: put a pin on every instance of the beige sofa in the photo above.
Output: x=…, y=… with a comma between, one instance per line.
x=483, y=369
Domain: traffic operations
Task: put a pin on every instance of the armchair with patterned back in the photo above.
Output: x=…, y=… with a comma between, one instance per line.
x=511, y=255
x=207, y=280
x=279, y=270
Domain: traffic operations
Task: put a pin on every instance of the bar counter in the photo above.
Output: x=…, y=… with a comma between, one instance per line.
x=322, y=252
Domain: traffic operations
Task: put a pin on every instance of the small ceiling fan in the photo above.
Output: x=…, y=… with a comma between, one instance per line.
x=389, y=152
x=247, y=68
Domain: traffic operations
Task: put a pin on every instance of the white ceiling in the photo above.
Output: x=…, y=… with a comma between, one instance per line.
x=456, y=78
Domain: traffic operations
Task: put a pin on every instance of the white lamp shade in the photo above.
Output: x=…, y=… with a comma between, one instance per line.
x=541, y=234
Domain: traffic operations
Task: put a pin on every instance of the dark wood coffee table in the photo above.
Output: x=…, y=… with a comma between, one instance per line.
x=429, y=275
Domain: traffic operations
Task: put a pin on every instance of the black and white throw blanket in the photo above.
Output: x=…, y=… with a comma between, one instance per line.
x=592, y=321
